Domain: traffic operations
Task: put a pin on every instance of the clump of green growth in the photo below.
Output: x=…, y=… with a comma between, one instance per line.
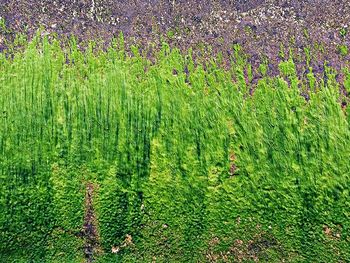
x=188, y=165
x=307, y=53
x=281, y=52
x=343, y=32
x=170, y=34
x=347, y=79
x=311, y=79
x=3, y=27
x=343, y=50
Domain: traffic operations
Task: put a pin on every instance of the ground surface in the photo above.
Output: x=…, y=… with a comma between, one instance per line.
x=261, y=26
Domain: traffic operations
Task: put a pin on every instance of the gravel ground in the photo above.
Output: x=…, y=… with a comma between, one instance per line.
x=261, y=26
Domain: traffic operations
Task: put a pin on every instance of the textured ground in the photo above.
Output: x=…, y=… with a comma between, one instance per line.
x=260, y=25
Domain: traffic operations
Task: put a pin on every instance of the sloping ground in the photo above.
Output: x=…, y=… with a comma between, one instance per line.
x=260, y=26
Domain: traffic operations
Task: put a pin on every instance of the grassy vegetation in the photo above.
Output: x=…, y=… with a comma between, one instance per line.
x=190, y=162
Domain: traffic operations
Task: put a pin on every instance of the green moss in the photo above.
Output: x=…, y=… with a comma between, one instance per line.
x=343, y=32
x=170, y=34
x=343, y=50
x=189, y=164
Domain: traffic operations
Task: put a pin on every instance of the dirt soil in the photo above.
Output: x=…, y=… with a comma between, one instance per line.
x=90, y=233
x=261, y=26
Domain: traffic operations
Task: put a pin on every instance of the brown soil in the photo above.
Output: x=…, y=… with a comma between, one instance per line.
x=90, y=232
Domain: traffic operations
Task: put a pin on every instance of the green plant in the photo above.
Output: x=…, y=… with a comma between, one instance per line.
x=190, y=166
x=343, y=32
x=3, y=27
x=170, y=34
x=343, y=50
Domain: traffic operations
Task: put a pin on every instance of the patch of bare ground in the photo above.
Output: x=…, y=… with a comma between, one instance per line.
x=254, y=249
x=90, y=229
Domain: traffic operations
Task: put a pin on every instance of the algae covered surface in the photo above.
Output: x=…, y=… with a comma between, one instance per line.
x=171, y=150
